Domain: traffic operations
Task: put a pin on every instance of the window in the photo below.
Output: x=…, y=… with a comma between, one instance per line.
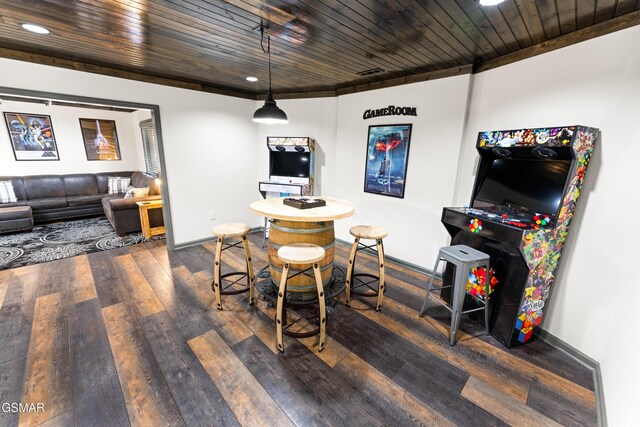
x=150, y=144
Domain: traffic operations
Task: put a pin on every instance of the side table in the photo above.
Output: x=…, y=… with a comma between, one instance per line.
x=144, y=207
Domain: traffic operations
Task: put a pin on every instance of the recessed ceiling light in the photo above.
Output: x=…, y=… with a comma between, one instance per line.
x=490, y=2
x=252, y=79
x=35, y=28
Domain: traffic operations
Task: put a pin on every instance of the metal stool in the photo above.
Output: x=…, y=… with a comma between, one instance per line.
x=464, y=258
x=224, y=231
x=298, y=254
x=371, y=232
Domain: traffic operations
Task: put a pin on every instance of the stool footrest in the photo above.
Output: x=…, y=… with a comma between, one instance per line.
x=472, y=310
x=355, y=288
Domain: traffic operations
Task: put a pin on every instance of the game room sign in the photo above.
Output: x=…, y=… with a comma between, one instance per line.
x=391, y=110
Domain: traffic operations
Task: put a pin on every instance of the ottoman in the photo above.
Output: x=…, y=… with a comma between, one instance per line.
x=15, y=218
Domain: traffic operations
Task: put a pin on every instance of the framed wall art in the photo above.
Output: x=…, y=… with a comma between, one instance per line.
x=32, y=136
x=100, y=139
x=387, y=157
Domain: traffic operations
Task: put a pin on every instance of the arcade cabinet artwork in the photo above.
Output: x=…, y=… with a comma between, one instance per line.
x=387, y=155
x=523, y=200
x=290, y=167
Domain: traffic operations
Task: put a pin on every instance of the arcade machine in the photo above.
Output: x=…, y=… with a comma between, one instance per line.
x=290, y=169
x=523, y=200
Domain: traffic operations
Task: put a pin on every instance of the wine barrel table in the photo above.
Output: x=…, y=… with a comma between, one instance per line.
x=293, y=225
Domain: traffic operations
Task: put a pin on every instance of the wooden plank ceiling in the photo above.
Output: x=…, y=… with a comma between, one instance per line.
x=319, y=47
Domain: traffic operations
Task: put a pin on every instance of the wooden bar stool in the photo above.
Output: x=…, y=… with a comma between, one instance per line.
x=224, y=231
x=464, y=258
x=370, y=232
x=298, y=254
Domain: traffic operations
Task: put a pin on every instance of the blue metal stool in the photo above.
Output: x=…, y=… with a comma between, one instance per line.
x=464, y=258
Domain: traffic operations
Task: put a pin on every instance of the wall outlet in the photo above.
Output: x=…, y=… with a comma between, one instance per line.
x=212, y=215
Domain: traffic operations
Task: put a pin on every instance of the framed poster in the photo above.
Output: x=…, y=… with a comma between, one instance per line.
x=100, y=139
x=387, y=155
x=32, y=136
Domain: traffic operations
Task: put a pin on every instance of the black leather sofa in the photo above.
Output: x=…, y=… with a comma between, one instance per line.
x=56, y=197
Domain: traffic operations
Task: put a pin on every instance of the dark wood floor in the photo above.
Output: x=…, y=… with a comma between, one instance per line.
x=129, y=336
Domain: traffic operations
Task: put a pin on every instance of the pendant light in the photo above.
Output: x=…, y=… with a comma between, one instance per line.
x=269, y=113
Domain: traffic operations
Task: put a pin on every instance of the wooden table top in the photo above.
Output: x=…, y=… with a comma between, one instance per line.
x=274, y=208
x=150, y=203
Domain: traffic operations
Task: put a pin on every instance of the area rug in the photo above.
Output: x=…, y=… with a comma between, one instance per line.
x=59, y=240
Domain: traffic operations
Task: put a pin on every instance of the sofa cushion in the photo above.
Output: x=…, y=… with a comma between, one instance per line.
x=48, y=203
x=95, y=199
x=13, y=205
x=103, y=179
x=18, y=186
x=80, y=184
x=13, y=225
x=7, y=194
x=118, y=184
x=43, y=187
x=136, y=192
x=17, y=212
x=141, y=180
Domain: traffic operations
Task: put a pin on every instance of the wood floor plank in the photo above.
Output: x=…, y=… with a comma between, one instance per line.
x=372, y=382
x=193, y=391
x=83, y=287
x=506, y=408
x=409, y=287
x=248, y=400
x=16, y=313
x=47, y=377
x=423, y=374
x=134, y=281
x=194, y=258
x=5, y=279
x=190, y=304
x=502, y=359
x=55, y=276
x=11, y=379
x=146, y=394
x=412, y=330
x=97, y=396
x=331, y=355
x=561, y=407
x=235, y=330
x=526, y=370
x=109, y=287
x=304, y=387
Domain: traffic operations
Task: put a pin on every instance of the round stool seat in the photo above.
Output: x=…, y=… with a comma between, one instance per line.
x=374, y=232
x=300, y=253
x=232, y=229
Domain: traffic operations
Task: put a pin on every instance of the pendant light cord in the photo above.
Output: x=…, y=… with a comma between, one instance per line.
x=268, y=50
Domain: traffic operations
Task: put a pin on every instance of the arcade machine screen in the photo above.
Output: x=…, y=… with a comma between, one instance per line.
x=285, y=163
x=524, y=185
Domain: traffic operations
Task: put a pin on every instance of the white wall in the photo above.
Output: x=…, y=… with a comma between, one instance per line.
x=209, y=141
x=66, y=128
x=595, y=83
x=315, y=118
x=415, y=231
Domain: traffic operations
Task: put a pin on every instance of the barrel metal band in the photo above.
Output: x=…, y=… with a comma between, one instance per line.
x=279, y=270
x=302, y=230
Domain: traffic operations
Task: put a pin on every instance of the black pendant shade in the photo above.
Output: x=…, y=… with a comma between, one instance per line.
x=269, y=113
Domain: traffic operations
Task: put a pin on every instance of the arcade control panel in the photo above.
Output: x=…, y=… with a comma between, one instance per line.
x=498, y=224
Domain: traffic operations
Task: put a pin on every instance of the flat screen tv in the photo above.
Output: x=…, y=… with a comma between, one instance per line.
x=290, y=163
x=526, y=185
